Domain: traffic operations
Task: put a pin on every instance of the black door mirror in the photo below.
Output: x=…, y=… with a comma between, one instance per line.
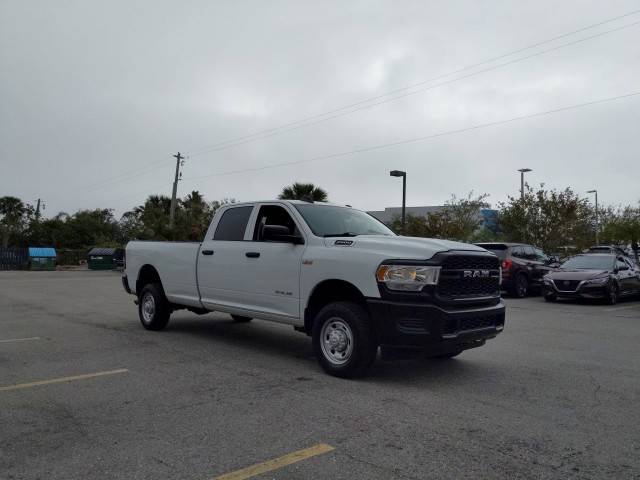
x=622, y=268
x=280, y=233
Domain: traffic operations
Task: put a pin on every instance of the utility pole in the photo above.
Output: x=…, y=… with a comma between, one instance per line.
x=400, y=173
x=179, y=162
x=38, y=209
x=597, y=217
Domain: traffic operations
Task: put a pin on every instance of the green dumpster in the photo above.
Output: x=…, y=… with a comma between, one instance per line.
x=100, y=258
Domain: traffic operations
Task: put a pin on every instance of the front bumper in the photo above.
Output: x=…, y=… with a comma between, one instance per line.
x=584, y=290
x=408, y=324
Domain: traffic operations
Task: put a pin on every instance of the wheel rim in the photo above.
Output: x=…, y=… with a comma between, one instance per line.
x=148, y=308
x=336, y=341
x=522, y=286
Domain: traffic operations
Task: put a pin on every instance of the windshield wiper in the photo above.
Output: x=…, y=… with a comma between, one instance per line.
x=345, y=234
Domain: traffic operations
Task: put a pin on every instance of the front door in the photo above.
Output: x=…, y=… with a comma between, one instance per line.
x=274, y=267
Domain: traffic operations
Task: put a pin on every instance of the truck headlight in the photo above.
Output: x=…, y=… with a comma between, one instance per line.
x=407, y=277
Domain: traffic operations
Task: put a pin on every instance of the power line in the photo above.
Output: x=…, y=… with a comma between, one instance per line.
x=418, y=139
x=275, y=130
x=364, y=104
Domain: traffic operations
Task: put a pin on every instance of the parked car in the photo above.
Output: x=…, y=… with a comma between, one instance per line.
x=593, y=275
x=612, y=249
x=332, y=272
x=523, y=266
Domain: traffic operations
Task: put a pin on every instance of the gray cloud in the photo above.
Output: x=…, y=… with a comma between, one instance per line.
x=91, y=89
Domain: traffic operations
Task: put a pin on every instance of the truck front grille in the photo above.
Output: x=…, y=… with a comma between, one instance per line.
x=469, y=276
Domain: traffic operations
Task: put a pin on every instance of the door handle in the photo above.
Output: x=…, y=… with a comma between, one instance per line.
x=252, y=254
x=207, y=252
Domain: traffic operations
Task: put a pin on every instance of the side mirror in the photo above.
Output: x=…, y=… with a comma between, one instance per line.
x=280, y=233
x=621, y=268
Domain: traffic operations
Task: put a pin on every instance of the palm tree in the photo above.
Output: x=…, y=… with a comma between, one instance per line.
x=301, y=191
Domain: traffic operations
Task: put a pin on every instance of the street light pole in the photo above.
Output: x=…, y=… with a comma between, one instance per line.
x=522, y=172
x=597, y=217
x=399, y=173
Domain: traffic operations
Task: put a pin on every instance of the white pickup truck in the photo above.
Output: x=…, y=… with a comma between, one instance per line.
x=333, y=272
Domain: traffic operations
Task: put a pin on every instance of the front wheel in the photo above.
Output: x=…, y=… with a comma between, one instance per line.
x=343, y=340
x=612, y=294
x=550, y=297
x=153, y=309
x=446, y=356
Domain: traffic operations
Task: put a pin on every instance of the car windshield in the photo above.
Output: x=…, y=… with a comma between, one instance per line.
x=332, y=221
x=589, y=262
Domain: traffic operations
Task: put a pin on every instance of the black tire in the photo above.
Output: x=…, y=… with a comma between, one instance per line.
x=550, y=297
x=241, y=319
x=521, y=288
x=447, y=356
x=612, y=294
x=343, y=339
x=153, y=308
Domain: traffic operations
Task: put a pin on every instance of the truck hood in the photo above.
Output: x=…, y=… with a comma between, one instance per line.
x=400, y=247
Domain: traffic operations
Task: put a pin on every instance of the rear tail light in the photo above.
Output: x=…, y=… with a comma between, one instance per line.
x=506, y=264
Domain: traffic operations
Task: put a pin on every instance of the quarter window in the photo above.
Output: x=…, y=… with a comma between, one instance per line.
x=233, y=224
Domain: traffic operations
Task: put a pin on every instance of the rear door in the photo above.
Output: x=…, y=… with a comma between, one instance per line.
x=221, y=270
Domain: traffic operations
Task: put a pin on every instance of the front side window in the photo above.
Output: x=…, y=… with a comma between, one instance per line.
x=273, y=215
x=333, y=221
x=233, y=224
x=540, y=255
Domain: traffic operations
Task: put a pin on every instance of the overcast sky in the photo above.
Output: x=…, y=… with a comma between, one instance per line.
x=95, y=90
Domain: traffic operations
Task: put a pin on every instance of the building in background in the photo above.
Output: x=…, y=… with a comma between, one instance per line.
x=488, y=217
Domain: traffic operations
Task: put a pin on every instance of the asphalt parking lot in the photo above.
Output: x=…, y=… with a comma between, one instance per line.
x=86, y=392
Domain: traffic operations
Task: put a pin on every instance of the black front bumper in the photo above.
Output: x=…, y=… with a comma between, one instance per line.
x=584, y=290
x=408, y=324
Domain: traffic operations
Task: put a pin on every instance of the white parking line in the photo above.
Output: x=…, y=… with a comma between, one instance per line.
x=19, y=339
x=628, y=307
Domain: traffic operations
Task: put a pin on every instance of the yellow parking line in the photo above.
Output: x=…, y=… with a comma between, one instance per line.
x=277, y=463
x=19, y=339
x=62, y=379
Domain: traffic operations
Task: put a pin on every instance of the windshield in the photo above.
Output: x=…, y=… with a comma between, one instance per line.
x=332, y=221
x=589, y=262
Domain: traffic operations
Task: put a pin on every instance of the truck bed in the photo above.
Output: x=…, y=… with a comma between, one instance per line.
x=175, y=263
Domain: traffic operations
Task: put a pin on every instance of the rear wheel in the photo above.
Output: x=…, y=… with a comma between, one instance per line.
x=522, y=286
x=343, y=340
x=153, y=308
x=241, y=319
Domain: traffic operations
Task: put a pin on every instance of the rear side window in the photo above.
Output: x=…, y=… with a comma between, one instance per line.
x=233, y=224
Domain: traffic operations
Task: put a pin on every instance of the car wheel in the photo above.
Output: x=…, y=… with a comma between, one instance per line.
x=522, y=286
x=153, y=308
x=550, y=297
x=612, y=294
x=241, y=319
x=343, y=340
